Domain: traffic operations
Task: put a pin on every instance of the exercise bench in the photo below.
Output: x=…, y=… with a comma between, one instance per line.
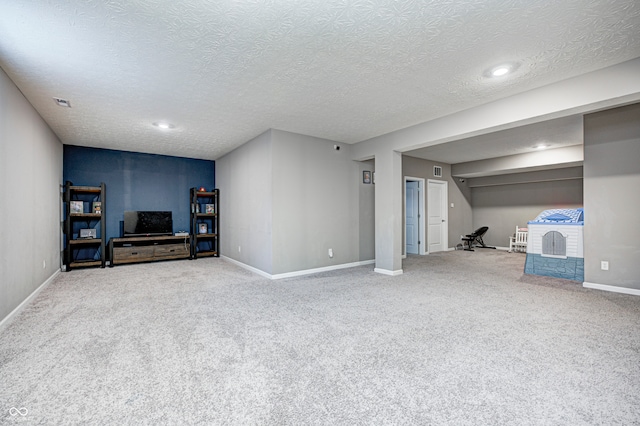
x=476, y=238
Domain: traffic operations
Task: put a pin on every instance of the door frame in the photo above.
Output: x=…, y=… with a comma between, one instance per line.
x=445, y=229
x=422, y=190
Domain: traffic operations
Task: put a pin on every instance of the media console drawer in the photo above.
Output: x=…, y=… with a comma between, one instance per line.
x=132, y=254
x=171, y=250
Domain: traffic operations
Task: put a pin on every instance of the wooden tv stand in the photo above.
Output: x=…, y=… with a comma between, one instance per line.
x=148, y=249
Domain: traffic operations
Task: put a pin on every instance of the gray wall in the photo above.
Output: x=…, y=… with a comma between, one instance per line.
x=459, y=216
x=244, y=178
x=612, y=200
x=315, y=203
x=286, y=198
x=503, y=207
x=30, y=179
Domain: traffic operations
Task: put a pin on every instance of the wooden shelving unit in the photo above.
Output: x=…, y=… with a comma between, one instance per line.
x=88, y=251
x=204, y=243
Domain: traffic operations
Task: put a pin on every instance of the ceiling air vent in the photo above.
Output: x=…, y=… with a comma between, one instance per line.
x=62, y=102
x=437, y=171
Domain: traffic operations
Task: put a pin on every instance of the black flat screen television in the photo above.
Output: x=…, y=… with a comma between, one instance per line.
x=147, y=223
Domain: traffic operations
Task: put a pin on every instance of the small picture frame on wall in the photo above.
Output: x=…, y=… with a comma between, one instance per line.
x=202, y=228
x=210, y=208
x=76, y=207
x=366, y=177
x=96, y=207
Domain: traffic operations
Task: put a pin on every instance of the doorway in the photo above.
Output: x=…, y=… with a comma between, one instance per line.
x=414, y=222
x=437, y=203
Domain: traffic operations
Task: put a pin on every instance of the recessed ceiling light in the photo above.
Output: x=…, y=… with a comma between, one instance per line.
x=541, y=146
x=501, y=70
x=164, y=125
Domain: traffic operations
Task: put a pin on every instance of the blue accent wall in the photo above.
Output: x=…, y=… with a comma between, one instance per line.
x=137, y=181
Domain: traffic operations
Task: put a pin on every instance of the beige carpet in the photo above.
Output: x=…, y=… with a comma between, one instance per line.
x=461, y=338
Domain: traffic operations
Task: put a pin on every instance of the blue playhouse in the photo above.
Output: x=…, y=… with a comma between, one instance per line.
x=555, y=244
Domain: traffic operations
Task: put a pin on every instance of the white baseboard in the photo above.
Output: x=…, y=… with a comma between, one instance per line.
x=323, y=269
x=13, y=314
x=297, y=273
x=611, y=288
x=388, y=272
x=247, y=267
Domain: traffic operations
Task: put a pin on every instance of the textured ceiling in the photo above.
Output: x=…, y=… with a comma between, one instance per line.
x=224, y=71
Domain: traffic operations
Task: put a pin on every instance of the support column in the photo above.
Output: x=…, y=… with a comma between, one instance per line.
x=388, y=218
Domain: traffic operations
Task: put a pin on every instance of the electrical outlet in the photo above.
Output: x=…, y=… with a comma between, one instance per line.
x=44, y=264
x=330, y=252
x=604, y=265
x=239, y=249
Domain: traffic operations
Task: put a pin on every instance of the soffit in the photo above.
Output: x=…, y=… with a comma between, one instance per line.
x=558, y=133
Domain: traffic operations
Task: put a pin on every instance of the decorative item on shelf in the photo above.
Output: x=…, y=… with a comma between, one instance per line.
x=202, y=228
x=197, y=208
x=210, y=208
x=88, y=233
x=76, y=206
x=366, y=176
x=97, y=207
x=202, y=189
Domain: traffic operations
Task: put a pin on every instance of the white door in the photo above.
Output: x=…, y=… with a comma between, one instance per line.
x=437, y=214
x=411, y=221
